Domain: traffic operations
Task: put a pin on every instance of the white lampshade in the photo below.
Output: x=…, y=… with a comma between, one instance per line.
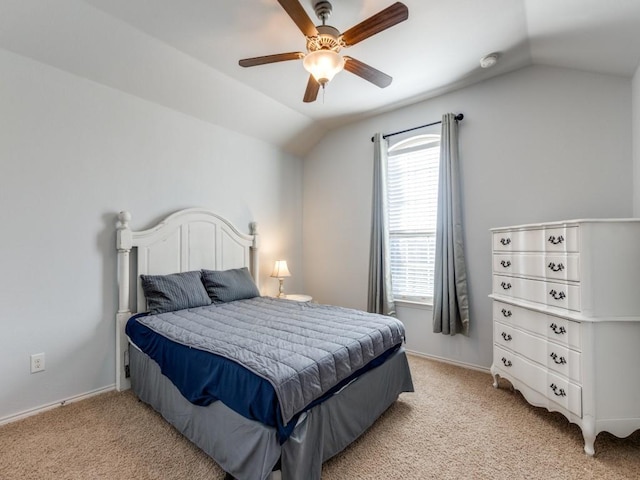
x=280, y=270
x=323, y=65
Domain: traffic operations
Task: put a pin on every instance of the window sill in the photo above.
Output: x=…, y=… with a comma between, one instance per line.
x=414, y=304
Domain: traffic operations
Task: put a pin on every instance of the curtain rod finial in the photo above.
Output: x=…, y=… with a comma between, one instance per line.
x=459, y=116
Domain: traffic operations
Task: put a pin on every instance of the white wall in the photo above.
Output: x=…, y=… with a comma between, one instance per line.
x=539, y=144
x=79, y=37
x=636, y=142
x=72, y=154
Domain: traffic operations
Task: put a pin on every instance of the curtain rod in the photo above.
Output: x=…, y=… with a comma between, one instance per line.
x=459, y=117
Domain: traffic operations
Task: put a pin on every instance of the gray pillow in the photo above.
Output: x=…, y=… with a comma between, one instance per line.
x=176, y=291
x=229, y=285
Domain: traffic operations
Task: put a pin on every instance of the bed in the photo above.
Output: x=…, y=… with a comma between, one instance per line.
x=288, y=384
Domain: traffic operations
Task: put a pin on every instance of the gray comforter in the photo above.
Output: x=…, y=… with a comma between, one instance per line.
x=302, y=349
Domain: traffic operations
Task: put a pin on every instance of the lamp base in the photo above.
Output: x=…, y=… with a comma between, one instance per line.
x=281, y=288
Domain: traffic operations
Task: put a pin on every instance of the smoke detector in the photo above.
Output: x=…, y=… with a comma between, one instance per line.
x=489, y=61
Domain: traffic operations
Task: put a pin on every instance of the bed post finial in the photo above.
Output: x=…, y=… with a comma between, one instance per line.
x=124, y=218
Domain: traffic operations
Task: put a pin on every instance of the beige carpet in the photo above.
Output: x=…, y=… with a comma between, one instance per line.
x=456, y=426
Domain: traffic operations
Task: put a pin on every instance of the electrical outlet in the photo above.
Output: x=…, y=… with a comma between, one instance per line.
x=37, y=362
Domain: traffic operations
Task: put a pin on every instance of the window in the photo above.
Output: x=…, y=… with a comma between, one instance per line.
x=413, y=166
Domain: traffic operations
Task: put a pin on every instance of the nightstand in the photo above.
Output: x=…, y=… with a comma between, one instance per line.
x=299, y=297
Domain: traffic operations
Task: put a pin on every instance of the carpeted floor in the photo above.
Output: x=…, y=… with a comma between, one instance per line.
x=456, y=426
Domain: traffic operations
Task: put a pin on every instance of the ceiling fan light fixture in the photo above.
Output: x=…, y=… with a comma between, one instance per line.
x=323, y=65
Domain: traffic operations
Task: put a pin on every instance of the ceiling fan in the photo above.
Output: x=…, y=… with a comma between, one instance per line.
x=324, y=42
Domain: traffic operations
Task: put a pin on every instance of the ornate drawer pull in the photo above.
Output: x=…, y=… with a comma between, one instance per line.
x=556, y=268
x=505, y=285
x=506, y=336
x=558, y=361
x=505, y=241
x=505, y=263
x=557, y=330
x=559, y=392
x=506, y=313
x=557, y=295
x=507, y=363
x=556, y=240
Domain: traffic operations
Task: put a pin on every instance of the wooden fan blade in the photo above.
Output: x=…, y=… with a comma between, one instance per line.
x=390, y=16
x=367, y=72
x=279, y=57
x=311, y=93
x=299, y=17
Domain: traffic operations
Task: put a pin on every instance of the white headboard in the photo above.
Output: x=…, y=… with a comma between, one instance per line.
x=190, y=239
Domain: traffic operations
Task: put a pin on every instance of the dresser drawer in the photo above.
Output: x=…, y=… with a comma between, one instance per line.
x=557, y=329
x=558, y=239
x=549, y=266
x=553, y=294
x=551, y=355
x=557, y=389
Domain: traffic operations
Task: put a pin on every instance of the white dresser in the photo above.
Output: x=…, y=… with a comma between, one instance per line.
x=566, y=320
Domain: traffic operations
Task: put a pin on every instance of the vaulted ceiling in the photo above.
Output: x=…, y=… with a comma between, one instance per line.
x=184, y=54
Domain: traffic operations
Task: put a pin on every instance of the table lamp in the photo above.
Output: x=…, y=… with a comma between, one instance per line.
x=280, y=271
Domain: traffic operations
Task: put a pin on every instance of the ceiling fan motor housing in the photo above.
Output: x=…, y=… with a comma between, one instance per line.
x=328, y=38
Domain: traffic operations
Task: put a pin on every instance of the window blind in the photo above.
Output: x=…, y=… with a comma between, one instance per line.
x=413, y=196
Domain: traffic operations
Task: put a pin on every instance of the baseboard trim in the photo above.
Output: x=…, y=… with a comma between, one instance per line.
x=83, y=396
x=470, y=366
x=50, y=406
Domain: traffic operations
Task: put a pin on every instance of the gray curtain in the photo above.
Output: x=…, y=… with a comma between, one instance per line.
x=450, y=298
x=380, y=297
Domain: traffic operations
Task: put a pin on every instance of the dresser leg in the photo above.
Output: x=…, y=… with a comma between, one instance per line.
x=589, y=435
x=589, y=448
x=495, y=377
